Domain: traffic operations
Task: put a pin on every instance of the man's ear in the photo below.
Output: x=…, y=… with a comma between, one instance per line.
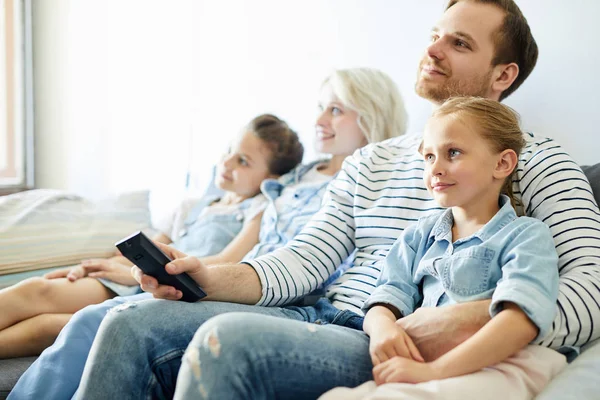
x=505, y=76
x=507, y=162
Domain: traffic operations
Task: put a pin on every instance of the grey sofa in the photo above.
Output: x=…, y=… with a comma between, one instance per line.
x=588, y=363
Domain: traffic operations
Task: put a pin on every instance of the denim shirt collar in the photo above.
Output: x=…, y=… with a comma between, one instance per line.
x=272, y=188
x=442, y=229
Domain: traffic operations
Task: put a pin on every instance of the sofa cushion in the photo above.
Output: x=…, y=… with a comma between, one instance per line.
x=593, y=174
x=47, y=228
x=10, y=371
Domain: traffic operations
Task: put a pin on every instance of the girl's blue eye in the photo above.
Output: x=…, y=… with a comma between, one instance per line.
x=429, y=157
x=453, y=153
x=243, y=161
x=335, y=111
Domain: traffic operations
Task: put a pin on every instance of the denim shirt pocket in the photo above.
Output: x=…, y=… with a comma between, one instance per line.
x=466, y=273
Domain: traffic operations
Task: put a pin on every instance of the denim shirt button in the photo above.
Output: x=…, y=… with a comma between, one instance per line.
x=239, y=217
x=318, y=322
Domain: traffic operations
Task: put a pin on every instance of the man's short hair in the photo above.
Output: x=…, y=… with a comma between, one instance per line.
x=513, y=40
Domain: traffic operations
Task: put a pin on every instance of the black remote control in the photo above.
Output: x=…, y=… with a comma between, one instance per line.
x=140, y=250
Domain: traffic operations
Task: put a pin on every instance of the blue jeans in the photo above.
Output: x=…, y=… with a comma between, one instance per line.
x=57, y=371
x=139, y=351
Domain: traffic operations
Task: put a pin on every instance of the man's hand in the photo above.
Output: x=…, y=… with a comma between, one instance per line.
x=181, y=263
x=390, y=341
x=404, y=370
x=437, y=330
x=115, y=269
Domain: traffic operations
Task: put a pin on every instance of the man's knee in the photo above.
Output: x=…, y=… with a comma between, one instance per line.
x=240, y=334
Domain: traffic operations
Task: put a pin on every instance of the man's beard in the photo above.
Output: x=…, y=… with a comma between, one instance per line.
x=451, y=87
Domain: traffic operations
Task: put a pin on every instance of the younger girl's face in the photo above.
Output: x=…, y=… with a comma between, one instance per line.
x=337, y=130
x=459, y=164
x=245, y=166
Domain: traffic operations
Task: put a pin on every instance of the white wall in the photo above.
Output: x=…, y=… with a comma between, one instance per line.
x=151, y=87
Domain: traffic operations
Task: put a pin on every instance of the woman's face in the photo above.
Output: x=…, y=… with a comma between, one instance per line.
x=337, y=130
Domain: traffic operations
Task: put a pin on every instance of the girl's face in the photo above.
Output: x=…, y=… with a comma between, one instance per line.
x=337, y=130
x=242, y=170
x=460, y=165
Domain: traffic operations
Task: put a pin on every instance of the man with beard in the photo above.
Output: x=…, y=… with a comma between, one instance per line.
x=271, y=349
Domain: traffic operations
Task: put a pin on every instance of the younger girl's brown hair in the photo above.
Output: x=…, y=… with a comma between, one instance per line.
x=282, y=141
x=496, y=123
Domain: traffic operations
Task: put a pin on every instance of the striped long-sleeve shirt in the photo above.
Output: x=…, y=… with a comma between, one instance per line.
x=380, y=191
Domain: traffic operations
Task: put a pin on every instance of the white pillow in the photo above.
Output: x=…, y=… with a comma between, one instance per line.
x=47, y=228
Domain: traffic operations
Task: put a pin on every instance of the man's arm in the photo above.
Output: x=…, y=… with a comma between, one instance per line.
x=286, y=274
x=236, y=283
x=293, y=271
x=437, y=330
x=554, y=190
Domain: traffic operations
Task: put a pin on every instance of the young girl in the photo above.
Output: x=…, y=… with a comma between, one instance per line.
x=476, y=249
x=35, y=310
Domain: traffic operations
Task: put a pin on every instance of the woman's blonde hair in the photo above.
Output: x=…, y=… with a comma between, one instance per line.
x=496, y=123
x=376, y=99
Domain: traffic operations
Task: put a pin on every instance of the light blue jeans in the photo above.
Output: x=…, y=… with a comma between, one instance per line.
x=57, y=371
x=144, y=354
x=138, y=350
x=219, y=364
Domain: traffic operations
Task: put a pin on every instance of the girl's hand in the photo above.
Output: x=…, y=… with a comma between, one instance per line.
x=116, y=269
x=112, y=269
x=59, y=273
x=390, y=341
x=404, y=370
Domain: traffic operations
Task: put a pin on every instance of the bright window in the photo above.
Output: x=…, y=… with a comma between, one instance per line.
x=16, y=130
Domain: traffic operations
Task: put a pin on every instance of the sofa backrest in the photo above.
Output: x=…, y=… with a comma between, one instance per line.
x=593, y=174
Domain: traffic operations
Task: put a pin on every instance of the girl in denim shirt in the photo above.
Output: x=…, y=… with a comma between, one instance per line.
x=217, y=229
x=475, y=249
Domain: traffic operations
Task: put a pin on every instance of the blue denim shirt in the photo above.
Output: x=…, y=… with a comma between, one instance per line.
x=211, y=233
x=296, y=204
x=509, y=259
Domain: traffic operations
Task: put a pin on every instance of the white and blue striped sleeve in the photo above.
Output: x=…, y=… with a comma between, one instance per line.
x=291, y=272
x=554, y=189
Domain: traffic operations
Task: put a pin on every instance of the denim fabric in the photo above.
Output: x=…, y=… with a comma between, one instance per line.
x=211, y=233
x=57, y=371
x=200, y=236
x=67, y=357
x=292, y=202
x=149, y=368
x=509, y=259
x=276, y=359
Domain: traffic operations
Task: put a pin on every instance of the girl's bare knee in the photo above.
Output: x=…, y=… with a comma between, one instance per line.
x=36, y=288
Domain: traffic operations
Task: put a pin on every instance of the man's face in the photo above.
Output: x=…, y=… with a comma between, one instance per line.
x=458, y=62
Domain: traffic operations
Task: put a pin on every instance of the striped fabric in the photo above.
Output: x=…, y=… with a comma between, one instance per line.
x=48, y=228
x=380, y=191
